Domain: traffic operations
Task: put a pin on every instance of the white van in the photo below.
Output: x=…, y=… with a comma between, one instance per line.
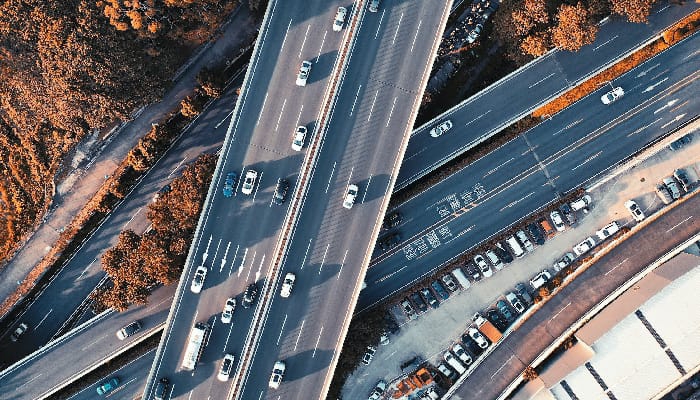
x=525, y=240
x=453, y=362
x=461, y=278
x=515, y=247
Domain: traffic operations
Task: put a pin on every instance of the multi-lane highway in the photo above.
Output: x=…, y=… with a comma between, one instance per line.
x=518, y=94
x=558, y=155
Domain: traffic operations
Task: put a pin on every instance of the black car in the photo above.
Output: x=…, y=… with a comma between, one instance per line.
x=418, y=301
x=473, y=271
x=568, y=213
x=389, y=241
x=281, y=191
x=524, y=293
x=503, y=254
x=497, y=319
x=471, y=345
x=161, y=389
x=505, y=309
x=129, y=330
x=430, y=298
x=536, y=233
x=392, y=220
x=251, y=292
x=682, y=178
x=440, y=290
x=680, y=142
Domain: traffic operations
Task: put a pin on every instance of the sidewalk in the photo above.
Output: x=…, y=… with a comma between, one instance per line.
x=95, y=159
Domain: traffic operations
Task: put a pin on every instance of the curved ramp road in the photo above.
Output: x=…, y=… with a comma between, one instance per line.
x=559, y=155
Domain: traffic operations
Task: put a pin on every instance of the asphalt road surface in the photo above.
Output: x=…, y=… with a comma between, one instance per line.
x=524, y=175
x=517, y=95
x=540, y=330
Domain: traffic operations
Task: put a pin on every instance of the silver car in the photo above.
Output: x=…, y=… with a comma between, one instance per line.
x=304, y=71
x=440, y=129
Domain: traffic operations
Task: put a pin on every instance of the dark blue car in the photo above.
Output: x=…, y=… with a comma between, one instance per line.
x=229, y=184
x=440, y=290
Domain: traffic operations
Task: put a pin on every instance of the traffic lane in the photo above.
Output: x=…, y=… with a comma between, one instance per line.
x=498, y=170
x=586, y=291
x=615, y=39
x=478, y=116
x=443, y=243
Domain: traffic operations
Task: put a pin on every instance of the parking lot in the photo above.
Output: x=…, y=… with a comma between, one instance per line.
x=436, y=330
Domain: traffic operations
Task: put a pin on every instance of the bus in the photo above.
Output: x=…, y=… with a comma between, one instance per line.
x=195, y=346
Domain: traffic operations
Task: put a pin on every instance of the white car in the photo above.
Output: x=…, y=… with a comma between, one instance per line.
x=612, y=95
x=608, y=230
x=563, y=262
x=495, y=261
x=277, y=374
x=540, y=279
x=229, y=307
x=226, y=367
x=376, y=393
x=581, y=204
x=304, y=71
x=478, y=337
x=515, y=302
x=350, y=196
x=288, y=284
x=558, y=221
x=634, y=209
x=440, y=129
x=249, y=182
x=483, y=265
x=445, y=370
x=339, y=19
x=584, y=246
x=299, y=136
x=462, y=354
x=198, y=280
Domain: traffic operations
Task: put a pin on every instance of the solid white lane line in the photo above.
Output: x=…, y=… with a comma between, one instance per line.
x=223, y=259
x=366, y=189
x=42, y=320
x=284, y=103
x=379, y=25
x=571, y=125
x=240, y=269
x=323, y=259
x=299, y=116
x=390, y=113
x=85, y=270
x=541, y=80
x=498, y=167
x=679, y=224
x=205, y=255
x=605, y=42
x=305, y=254
x=260, y=114
x=301, y=328
x=252, y=263
x=216, y=252
x=286, y=33
x=477, y=118
x=330, y=178
x=615, y=267
x=233, y=260
x=560, y=311
x=28, y=382
x=502, y=366
x=282, y=330
x=320, y=49
x=517, y=201
x=372, y=108
x=416, y=35
x=586, y=161
x=342, y=263
x=397, y=29
x=355, y=101
x=178, y=166
x=304, y=42
x=230, y=329
x=644, y=127
x=258, y=186
x=313, y=355
x=132, y=218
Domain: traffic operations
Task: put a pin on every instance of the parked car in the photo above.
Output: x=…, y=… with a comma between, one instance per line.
x=557, y=220
x=680, y=142
x=226, y=367
x=515, y=302
x=612, y=96
x=373, y=6
x=388, y=241
x=288, y=284
x=129, y=330
x=497, y=319
x=547, y=228
x=454, y=362
x=522, y=237
x=582, y=204
x=664, y=194
x=377, y=391
x=418, y=301
x=505, y=309
x=440, y=290
x=350, y=196
x=585, y=246
x=339, y=19
x=304, y=72
x=280, y=191
x=540, y=279
x=440, y=129
x=249, y=181
x=608, y=230
x=462, y=354
x=473, y=271
x=563, y=262
x=494, y=260
x=449, y=282
x=474, y=34
x=161, y=389
x=478, y=337
x=408, y=309
x=515, y=247
x=229, y=308
x=471, y=345
x=534, y=230
x=19, y=331
x=635, y=210
x=430, y=298
x=107, y=386
x=298, y=139
x=503, y=254
x=524, y=293
x=682, y=178
x=229, y=183
x=445, y=370
x=369, y=354
x=568, y=213
x=391, y=220
x=384, y=338
x=483, y=265
x=672, y=186
x=200, y=275
x=250, y=294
